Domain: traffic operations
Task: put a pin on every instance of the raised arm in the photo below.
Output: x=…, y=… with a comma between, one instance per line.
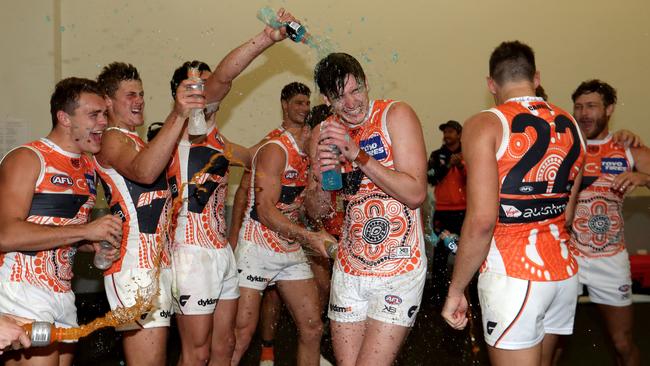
x=19, y=172
x=145, y=166
x=219, y=83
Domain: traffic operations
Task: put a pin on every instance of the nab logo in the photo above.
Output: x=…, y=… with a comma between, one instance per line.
x=183, y=299
x=412, y=310
x=207, y=302
x=490, y=326
x=291, y=174
x=393, y=300
x=61, y=180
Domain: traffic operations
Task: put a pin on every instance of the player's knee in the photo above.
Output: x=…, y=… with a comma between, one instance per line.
x=198, y=355
x=623, y=342
x=311, y=331
x=225, y=347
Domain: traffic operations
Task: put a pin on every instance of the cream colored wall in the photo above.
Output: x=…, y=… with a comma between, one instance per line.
x=28, y=44
x=431, y=53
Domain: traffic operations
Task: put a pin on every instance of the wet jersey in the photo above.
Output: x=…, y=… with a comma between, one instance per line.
x=541, y=154
x=381, y=236
x=598, y=218
x=292, y=195
x=199, y=219
x=143, y=209
x=64, y=194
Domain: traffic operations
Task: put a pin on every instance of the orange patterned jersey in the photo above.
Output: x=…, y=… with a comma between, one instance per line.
x=64, y=195
x=541, y=154
x=598, y=219
x=292, y=195
x=143, y=208
x=200, y=218
x=381, y=236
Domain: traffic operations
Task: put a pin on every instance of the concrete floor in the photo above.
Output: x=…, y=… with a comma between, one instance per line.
x=431, y=341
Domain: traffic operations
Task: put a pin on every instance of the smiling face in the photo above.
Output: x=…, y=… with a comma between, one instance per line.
x=592, y=116
x=351, y=105
x=295, y=109
x=127, y=104
x=87, y=123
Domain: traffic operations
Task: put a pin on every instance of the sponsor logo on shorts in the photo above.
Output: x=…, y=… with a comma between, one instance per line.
x=165, y=314
x=624, y=288
x=183, y=299
x=490, y=326
x=207, y=302
x=62, y=180
x=143, y=316
x=340, y=309
x=393, y=300
x=256, y=278
x=412, y=311
x=389, y=309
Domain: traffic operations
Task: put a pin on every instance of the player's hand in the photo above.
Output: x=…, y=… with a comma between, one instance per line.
x=107, y=228
x=316, y=241
x=12, y=333
x=188, y=99
x=278, y=34
x=455, y=310
x=111, y=254
x=626, y=182
x=625, y=138
x=335, y=134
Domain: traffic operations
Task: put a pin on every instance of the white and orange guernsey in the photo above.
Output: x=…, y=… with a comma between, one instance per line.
x=64, y=194
x=540, y=156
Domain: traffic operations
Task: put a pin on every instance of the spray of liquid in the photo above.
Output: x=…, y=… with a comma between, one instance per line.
x=321, y=45
x=145, y=295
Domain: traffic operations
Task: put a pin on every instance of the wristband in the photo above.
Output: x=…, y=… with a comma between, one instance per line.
x=362, y=158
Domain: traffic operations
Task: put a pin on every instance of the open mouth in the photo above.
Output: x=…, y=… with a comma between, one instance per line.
x=96, y=136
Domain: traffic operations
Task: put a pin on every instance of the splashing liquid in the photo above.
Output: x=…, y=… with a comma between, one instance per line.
x=297, y=32
x=144, y=295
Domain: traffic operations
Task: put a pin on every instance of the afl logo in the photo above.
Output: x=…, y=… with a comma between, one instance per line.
x=61, y=180
x=393, y=300
x=375, y=230
x=291, y=174
x=526, y=189
x=624, y=288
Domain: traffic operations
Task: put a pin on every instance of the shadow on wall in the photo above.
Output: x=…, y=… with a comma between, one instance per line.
x=636, y=216
x=280, y=58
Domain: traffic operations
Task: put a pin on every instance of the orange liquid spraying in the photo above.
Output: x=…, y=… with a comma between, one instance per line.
x=145, y=295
